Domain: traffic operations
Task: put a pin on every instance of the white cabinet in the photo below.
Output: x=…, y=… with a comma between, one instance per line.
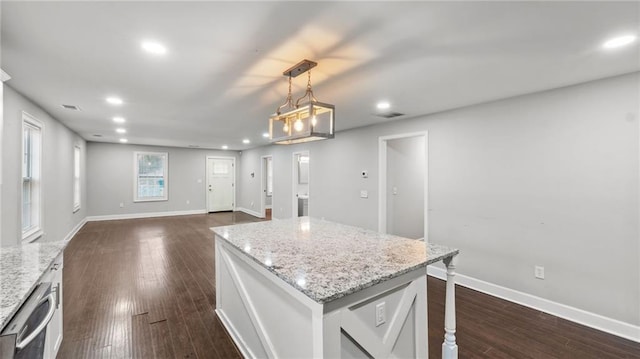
x=54, y=329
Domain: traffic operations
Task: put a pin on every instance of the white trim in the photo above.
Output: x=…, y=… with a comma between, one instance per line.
x=382, y=179
x=110, y=217
x=294, y=181
x=36, y=232
x=75, y=229
x=233, y=333
x=76, y=205
x=596, y=321
x=32, y=235
x=4, y=77
x=263, y=184
x=165, y=176
x=250, y=212
x=206, y=180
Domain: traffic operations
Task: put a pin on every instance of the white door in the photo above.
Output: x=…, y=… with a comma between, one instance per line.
x=220, y=184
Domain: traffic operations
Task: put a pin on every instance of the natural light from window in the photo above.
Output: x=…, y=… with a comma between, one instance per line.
x=150, y=176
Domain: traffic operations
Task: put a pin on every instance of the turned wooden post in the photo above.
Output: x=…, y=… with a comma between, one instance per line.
x=449, y=347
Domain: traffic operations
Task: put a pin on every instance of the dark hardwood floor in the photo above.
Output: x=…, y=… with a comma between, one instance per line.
x=144, y=288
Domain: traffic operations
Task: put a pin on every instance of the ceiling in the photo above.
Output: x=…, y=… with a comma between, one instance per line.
x=222, y=75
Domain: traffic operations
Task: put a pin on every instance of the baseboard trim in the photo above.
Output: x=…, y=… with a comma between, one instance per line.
x=112, y=217
x=75, y=229
x=596, y=321
x=250, y=212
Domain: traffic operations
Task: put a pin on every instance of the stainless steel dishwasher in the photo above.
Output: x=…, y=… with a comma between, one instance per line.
x=25, y=335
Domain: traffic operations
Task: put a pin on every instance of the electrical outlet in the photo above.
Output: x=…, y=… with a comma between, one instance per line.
x=188, y=201
x=121, y=204
x=252, y=204
x=380, y=314
x=538, y=272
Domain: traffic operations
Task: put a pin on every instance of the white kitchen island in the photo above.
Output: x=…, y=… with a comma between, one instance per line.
x=309, y=288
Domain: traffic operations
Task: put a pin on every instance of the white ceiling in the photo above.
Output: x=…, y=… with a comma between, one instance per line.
x=222, y=75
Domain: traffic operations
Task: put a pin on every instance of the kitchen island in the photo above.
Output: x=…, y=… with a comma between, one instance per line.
x=309, y=288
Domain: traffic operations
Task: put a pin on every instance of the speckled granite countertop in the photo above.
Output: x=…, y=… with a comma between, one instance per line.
x=326, y=260
x=21, y=268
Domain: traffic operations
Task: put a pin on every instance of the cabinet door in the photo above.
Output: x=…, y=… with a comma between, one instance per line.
x=54, y=329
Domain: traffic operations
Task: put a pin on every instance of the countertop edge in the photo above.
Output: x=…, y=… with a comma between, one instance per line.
x=4, y=321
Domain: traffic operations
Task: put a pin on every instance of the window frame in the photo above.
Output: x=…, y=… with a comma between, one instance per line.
x=33, y=232
x=165, y=176
x=77, y=185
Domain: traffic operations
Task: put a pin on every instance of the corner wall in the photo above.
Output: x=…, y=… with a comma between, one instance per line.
x=546, y=179
x=57, y=177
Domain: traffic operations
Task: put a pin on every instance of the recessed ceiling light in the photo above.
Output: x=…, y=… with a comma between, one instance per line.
x=97, y=135
x=121, y=130
x=619, y=41
x=114, y=100
x=153, y=47
x=383, y=105
x=119, y=120
x=265, y=135
x=224, y=147
x=246, y=141
x=124, y=140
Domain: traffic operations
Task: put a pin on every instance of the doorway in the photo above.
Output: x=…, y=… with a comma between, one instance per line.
x=403, y=185
x=221, y=175
x=266, y=203
x=301, y=175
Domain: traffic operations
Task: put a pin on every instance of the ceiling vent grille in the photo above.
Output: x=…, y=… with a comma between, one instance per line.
x=391, y=114
x=71, y=107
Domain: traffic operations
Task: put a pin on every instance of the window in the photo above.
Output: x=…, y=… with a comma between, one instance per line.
x=76, y=178
x=150, y=176
x=269, y=186
x=31, y=177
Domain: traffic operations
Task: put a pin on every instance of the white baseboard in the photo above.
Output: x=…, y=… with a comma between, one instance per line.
x=111, y=217
x=75, y=229
x=596, y=321
x=249, y=211
x=268, y=207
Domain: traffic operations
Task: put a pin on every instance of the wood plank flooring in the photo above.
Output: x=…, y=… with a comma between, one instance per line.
x=145, y=288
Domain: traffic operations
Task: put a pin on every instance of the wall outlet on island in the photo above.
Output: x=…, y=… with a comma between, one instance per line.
x=380, y=314
x=538, y=272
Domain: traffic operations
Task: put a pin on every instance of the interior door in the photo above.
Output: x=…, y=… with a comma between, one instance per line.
x=220, y=184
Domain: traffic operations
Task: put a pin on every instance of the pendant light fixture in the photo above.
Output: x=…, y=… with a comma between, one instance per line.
x=305, y=120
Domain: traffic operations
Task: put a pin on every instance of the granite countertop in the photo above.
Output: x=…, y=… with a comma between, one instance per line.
x=21, y=268
x=326, y=260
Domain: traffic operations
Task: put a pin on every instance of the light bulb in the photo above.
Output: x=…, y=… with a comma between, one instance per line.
x=298, y=126
x=285, y=128
x=314, y=120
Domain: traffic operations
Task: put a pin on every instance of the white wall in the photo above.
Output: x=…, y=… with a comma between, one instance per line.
x=545, y=179
x=110, y=169
x=57, y=172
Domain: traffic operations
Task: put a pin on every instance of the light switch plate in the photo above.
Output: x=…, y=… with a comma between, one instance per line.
x=364, y=194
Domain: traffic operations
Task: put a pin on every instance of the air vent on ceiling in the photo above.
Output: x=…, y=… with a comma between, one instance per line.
x=391, y=114
x=97, y=135
x=71, y=107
